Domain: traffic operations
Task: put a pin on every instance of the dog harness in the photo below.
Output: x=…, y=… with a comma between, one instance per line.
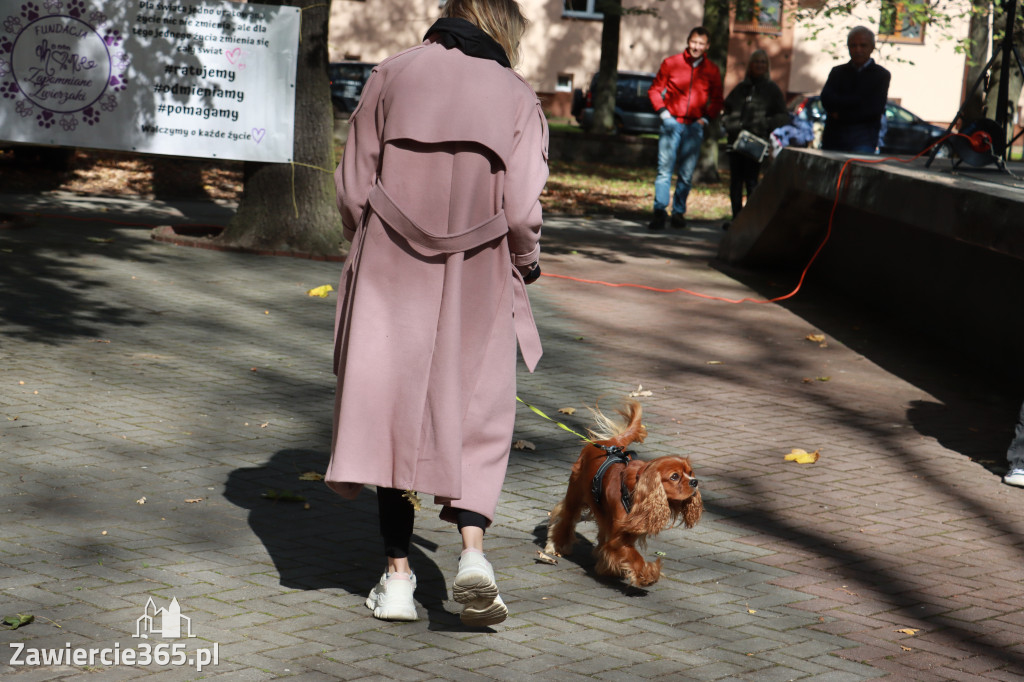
x=613, y=455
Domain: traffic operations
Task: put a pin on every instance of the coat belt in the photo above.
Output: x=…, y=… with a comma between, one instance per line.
x=493, y=228
x=478, y=235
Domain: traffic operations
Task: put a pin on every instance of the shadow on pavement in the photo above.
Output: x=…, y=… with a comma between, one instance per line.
x=978, y=404
x=45, y=274
x=322, y=541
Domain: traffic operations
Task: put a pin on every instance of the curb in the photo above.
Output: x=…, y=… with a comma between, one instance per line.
x=202, y=236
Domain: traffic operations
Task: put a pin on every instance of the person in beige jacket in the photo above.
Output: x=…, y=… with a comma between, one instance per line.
x=439, y=192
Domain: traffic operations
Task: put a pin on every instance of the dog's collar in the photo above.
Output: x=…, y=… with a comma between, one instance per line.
x=613, y=455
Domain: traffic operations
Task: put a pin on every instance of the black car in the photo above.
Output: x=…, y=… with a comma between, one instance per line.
x=347, y=80
x=634, y=112
x=902, y=133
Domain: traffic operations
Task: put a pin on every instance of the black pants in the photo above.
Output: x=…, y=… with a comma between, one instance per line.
x=396, y=520
x=743, y=172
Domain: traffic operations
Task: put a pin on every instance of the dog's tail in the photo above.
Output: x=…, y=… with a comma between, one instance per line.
x=619, y=431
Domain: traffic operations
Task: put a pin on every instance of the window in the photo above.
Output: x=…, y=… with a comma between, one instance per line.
x=581, y=9
x=564, y=83
x=759, y=15
x=898, y=24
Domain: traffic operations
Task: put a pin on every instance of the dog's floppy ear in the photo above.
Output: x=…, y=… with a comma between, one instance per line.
x=650, y=513
x=693, y=507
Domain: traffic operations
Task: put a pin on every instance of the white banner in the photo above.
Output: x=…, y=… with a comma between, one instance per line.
x=206, y=79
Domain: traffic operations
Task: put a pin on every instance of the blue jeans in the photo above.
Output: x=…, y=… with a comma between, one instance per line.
x=678, y=149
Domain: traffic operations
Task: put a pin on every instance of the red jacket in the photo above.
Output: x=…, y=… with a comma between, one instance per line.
x=690, y=92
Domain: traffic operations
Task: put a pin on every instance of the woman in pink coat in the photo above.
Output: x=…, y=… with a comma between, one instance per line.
x=439, y=192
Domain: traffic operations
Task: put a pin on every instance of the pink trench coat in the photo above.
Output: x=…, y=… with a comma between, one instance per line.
x=439, y=192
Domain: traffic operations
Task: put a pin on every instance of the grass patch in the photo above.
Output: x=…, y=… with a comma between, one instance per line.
x=580, y=188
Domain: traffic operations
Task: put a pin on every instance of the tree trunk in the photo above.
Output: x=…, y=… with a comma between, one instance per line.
x=977, y=53
x=266, y=218
x=606, y=84
x=1012, y=87
x=716, y=21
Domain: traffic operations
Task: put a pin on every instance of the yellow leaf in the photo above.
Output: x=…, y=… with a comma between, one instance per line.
x=567, y=410
x=905, y=648
x=193, y=500
x=909, y=631
x=816, y=338
x=524, y=445
x=751, y=611
x=714, y=362
x=320, y=291
x=311, y=476
x=802, y=456
x=413, y=499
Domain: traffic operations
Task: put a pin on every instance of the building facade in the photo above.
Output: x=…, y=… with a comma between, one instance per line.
x=561, y=50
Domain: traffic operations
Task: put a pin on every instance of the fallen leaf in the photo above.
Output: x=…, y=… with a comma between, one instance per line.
x=715, y=362
x=817, y=338
x=264, y=425
x=311, y=476
x=100, y=240
x=822, y=378
x=546, y=558
x=141, y=500
x=802, y=456
x=193, y=500
x=16, y=621
x=640, y=392
x=909, y=631
x=413, y=498
x=905, y=648
x=751, y=611
x=660, y=553
x=524, y=445
x=320, y=291
x=280, y=496
x=103, y=533
x=567, y=410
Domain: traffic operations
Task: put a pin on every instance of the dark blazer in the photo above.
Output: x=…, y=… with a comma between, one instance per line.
x=855, y=103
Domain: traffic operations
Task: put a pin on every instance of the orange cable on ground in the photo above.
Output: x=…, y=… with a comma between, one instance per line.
x=803, y=274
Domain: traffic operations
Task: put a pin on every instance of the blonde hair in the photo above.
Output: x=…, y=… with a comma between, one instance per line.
x=502, y=20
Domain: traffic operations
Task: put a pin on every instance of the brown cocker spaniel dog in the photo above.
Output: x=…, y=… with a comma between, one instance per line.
x=630, y=501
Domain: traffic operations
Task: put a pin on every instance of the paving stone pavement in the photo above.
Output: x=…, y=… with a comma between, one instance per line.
x=160, y=405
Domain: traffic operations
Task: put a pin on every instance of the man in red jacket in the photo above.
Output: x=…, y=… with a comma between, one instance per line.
x=687, y=94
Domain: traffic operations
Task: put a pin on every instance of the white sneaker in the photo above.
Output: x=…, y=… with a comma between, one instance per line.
x=475, y=587
x=1015, y=477
x=391, y=598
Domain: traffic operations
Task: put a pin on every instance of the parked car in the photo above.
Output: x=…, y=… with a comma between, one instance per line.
x=347, y=80
x=905, y=132
x=633, y=110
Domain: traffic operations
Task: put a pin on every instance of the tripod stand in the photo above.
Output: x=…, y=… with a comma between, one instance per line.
x=991, y=144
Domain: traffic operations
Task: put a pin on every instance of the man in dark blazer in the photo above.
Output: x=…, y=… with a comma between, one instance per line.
x=854, y=98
